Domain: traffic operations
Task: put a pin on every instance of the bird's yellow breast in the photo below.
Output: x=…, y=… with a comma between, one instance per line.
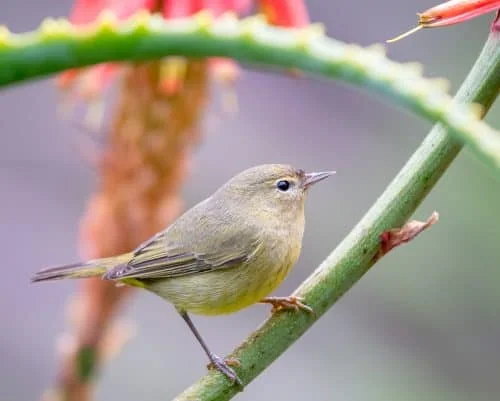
x=227, y=291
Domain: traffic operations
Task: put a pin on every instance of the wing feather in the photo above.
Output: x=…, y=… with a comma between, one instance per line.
x=157, y=261
x=168, y=254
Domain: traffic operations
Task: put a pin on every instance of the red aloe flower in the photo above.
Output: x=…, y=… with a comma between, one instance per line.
x=451, y=12
x=92, y=80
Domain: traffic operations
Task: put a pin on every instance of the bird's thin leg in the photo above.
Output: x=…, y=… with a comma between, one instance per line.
x=291, y=302
x=220, y=364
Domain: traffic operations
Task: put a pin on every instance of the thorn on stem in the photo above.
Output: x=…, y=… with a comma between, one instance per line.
x=397, y=236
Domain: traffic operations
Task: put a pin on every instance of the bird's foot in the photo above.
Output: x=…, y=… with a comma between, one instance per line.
x=224, y=366
x=284, y=303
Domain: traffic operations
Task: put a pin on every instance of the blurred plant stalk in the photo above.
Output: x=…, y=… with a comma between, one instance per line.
x=450, y=13
x=141, y=168
x=140, y=172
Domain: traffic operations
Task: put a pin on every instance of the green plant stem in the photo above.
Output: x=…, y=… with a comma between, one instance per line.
x=57, y=46
x=357, y=252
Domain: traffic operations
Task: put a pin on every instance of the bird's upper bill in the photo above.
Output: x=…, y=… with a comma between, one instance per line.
x=312, y=178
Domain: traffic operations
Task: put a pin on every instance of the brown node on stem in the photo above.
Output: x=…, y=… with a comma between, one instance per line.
x=398, y=236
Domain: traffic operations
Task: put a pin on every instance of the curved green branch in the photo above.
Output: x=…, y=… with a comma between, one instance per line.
x=57, y=46
x=358, y=251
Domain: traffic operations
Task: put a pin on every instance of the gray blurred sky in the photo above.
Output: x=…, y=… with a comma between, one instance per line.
x=422, y=324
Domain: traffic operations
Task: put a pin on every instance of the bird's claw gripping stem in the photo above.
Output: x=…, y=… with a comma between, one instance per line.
x=284, y=303
x=224, y=366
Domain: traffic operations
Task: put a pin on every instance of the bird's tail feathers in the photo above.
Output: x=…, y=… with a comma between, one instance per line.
x=92, y=268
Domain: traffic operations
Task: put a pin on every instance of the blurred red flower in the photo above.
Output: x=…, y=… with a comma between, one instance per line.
x=93, y=80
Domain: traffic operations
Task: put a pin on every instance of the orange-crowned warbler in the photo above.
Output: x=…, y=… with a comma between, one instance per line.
x=226, y=253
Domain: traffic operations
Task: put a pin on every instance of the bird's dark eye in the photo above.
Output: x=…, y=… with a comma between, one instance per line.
x=283, y=185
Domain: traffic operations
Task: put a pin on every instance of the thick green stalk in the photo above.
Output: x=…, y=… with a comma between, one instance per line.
x=357, y=252
x=57, y=46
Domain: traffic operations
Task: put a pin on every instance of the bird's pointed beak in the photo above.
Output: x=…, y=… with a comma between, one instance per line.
x=313, y=178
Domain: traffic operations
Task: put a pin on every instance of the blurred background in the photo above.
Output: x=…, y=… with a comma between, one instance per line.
x=422, y=324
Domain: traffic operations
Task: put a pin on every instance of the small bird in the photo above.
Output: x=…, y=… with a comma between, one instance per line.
x=226, y=253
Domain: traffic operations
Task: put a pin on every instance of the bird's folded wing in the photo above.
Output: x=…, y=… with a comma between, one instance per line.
x=155, y=260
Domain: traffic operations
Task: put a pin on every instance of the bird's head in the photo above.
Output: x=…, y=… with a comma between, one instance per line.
x=277, y=187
